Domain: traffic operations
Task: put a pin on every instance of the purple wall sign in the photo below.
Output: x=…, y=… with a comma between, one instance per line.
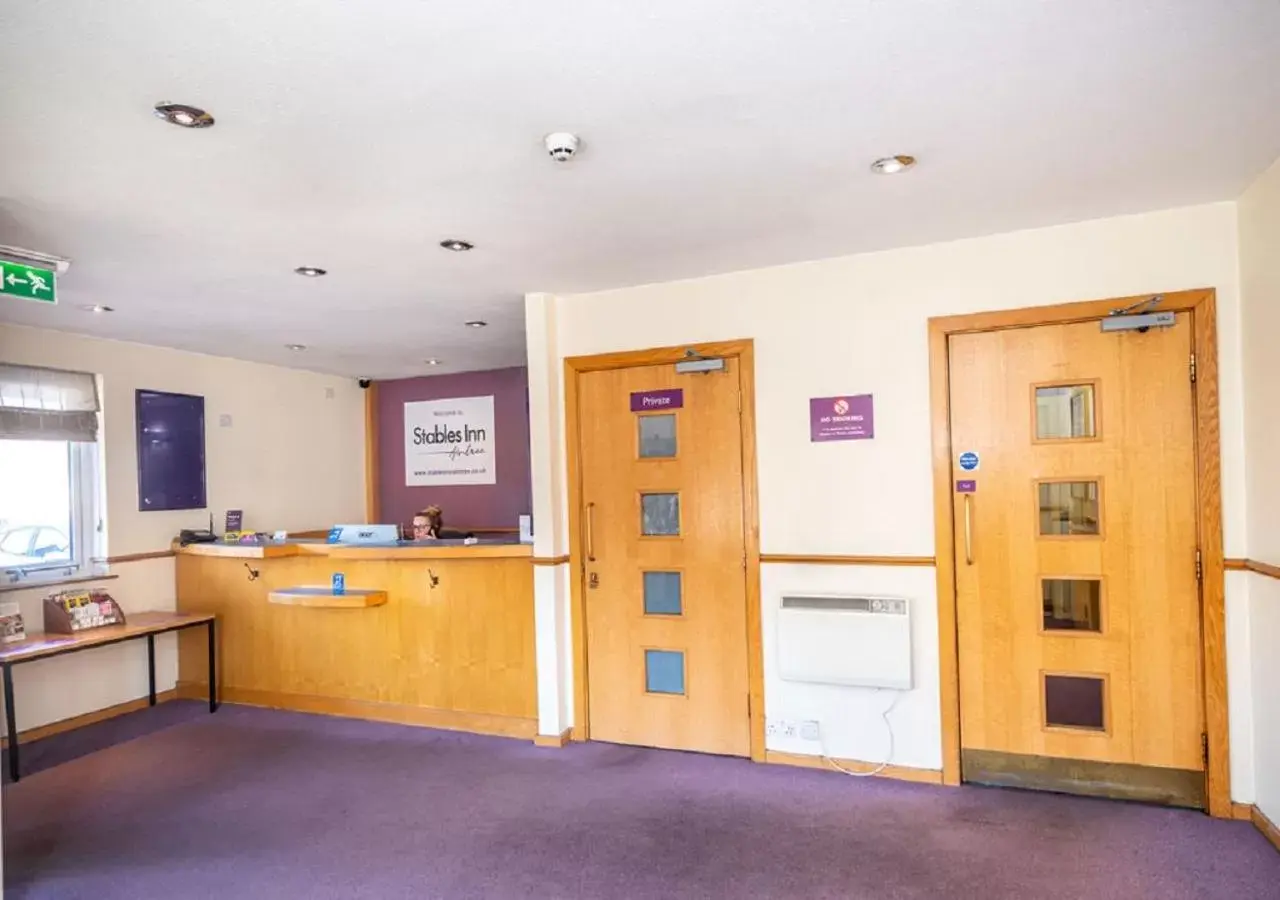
x=966, y=486
x=465, y=506
x=643, y=401
x=848, y=418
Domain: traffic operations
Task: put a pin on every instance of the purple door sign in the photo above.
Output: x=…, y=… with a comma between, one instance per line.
x=644, y=401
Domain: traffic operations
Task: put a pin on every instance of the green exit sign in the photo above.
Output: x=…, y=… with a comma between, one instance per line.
x=30, y=282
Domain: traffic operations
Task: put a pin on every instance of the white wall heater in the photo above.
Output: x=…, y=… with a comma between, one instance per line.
x=836, y=639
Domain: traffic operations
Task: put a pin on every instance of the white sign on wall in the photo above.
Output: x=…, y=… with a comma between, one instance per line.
x=449, y=442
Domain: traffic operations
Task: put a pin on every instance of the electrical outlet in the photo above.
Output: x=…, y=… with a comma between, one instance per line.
x=781, y=728
x=810, y=730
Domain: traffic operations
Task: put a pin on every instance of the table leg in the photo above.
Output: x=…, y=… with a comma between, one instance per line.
x=213, y=668
x=151, y=670
x=10, y=720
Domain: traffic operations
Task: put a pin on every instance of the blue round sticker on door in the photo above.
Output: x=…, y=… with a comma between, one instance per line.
x=969, y=461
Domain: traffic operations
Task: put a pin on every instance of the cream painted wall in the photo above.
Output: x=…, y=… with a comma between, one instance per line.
x=292, y=458
x=1259, y=210
x=858, y=325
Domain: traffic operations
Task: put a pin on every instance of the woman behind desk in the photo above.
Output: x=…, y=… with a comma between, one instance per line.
x=428, y=525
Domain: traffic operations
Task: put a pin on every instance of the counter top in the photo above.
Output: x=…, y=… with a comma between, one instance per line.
x=485, y=548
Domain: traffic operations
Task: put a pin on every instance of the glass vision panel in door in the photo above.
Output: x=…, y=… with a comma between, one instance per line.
x=657, y=436
x=1075, y=701
x=1072, y=604
x=1069, y=508
x=664, y=672
x=660, y=515
x=662, y=594
x=1065, y=411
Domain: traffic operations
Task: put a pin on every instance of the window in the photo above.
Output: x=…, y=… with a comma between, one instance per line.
x=49, y=520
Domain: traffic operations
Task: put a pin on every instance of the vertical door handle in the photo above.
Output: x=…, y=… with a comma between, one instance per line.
x=968, y=529
x=591, y=532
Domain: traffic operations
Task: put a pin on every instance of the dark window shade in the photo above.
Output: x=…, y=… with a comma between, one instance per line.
x=171, y=471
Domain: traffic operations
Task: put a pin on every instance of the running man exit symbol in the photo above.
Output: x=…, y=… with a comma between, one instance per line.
x=28, y=281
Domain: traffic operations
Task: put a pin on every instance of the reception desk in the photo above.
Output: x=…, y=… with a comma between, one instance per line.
x=443, y=635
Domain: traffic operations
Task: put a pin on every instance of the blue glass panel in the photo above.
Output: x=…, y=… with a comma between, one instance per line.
x=664, y=671
x=662, y=594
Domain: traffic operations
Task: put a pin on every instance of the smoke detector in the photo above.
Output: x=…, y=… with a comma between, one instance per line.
x=562, y=145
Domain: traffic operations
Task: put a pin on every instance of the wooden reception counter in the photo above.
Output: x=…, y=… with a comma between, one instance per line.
x=448, y=642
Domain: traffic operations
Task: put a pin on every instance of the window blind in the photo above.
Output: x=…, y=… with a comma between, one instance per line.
x=38, y=404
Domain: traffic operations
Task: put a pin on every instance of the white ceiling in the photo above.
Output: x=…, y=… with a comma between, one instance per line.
x=720, y=135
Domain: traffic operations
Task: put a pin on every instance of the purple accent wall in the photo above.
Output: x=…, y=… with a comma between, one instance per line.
x=465, y=506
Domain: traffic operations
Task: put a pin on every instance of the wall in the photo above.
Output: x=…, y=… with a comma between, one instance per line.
x=859, y=325
x=292, y=458
x=1260, y=301
x=465, y=506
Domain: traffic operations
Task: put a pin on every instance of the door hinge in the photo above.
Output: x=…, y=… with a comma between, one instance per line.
x=1199, y=567
x=744, y=561
x=1204, y=747
x=739, y=403
x=1193, y=368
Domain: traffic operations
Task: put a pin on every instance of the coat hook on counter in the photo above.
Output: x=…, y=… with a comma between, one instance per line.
x=435, y=579
x=253, y=573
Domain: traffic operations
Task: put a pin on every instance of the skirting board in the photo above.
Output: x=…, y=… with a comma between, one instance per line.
x=98, y=715
x=426, y=717
x=552, y=740
x=1267, y=827
x=900, y=773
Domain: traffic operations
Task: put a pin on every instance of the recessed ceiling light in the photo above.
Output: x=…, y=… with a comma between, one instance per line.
x=456, y=245
x=311, y=271
x=295, y=347
x=892, y=165
x=97, y=308
x=476, y=323
x=433, y=361
x=183, y=115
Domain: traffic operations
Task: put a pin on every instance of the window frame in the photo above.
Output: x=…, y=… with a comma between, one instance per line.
x=87, y=526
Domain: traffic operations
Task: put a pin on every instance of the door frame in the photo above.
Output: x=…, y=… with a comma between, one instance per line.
x=1202, y=304
x=574, y=367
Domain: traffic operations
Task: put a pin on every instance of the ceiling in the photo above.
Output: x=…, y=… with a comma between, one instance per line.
x=718, y=135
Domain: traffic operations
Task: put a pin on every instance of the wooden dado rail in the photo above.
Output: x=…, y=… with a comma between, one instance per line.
x=1231, y=564
x=807, y=559
x=1252, y=565
x=810, y=559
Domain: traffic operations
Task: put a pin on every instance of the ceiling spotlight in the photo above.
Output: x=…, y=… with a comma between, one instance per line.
x=892, y=165
x=295, y=347
x=97, y=308
x=310, y=271
x=433, y=361
x=476, y=323
x=456, y=245
x=183, y=115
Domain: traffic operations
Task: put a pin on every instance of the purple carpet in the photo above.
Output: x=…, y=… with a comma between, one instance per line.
x=253, y=803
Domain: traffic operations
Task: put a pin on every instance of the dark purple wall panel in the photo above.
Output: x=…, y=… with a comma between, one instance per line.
x=170, y=451
x=465, y=506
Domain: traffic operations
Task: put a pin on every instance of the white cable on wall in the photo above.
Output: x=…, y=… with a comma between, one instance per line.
x=897, y=695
